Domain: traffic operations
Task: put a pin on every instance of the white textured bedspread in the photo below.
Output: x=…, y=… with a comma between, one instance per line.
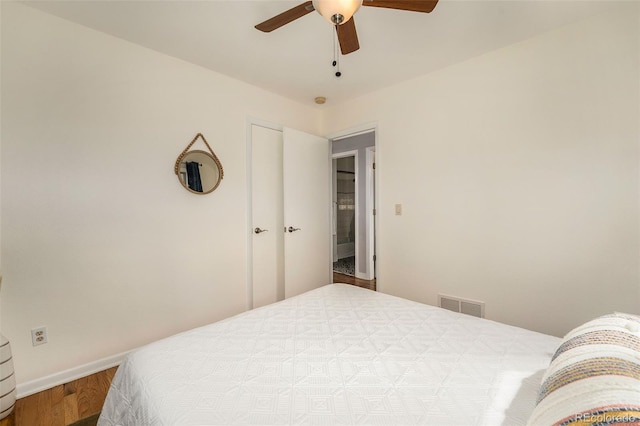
x=335, y=355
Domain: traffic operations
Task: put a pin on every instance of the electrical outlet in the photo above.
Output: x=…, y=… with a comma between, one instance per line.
x=39, y=336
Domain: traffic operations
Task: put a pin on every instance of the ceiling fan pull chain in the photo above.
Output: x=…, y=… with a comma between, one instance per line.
x=336, y=53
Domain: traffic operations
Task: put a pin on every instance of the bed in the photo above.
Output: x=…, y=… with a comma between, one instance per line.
x=338, y=355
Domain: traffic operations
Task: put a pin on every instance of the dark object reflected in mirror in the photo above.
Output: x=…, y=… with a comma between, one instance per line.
x=200, y=172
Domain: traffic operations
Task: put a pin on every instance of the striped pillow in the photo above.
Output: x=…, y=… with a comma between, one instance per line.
x=594, y=376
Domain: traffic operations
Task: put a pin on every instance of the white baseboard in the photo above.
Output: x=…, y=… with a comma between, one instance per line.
x=48, y=382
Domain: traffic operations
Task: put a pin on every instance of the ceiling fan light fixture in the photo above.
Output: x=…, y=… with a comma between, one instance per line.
x=337, y=12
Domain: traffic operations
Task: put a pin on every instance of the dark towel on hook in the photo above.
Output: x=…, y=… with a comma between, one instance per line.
x=193, y=176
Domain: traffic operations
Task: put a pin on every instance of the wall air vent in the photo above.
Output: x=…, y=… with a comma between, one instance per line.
x=465, y=306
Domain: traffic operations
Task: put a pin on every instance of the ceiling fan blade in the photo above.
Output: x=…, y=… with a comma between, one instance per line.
x=348, y=37
x=425, y=6
x=286, y=17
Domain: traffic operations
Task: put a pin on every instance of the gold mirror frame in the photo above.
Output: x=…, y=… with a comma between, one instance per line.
x=202, y=157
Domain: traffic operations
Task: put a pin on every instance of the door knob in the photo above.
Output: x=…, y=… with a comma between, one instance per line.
x=259, y=231
x=292, y=229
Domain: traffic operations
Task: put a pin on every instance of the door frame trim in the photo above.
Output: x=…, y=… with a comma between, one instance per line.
x=370, y=217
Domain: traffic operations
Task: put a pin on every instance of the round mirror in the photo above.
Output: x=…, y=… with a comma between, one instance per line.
x=199, y=172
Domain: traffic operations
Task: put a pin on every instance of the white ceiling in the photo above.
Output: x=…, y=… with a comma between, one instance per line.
x=295, y=60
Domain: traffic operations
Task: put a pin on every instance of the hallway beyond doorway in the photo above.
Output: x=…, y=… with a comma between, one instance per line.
x=346, y=279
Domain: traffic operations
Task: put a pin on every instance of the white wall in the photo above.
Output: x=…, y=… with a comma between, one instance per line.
x=100, y=242
x=518, y=174
x=517, y=170
x=0, y=178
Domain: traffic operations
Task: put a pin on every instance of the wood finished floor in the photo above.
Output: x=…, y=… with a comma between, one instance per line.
x=79, y=399
x=64, y=404
x=348, y=279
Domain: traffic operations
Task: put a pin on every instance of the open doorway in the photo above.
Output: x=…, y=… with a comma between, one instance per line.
x=353, y=209
x=344, y=213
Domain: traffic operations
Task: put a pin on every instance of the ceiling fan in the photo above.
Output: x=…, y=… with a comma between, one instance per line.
x=340, y=13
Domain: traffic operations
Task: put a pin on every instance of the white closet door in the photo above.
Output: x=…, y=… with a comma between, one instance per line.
x=307, y=207
x=267, y=213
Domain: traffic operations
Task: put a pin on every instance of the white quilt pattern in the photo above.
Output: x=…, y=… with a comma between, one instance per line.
x=335, y=355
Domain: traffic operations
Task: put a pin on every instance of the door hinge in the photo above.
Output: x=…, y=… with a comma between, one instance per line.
x=375, y=257
x=374, y=166
x=375, y=212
